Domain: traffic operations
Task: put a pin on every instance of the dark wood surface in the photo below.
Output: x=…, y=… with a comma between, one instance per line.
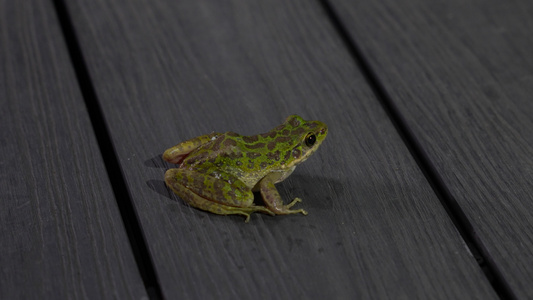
x=166, y=72
x=461, y=75
x=61, y=232
x=428, y=157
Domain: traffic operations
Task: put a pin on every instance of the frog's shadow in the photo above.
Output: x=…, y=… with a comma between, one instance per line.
x=316, y=191
x=160, y=187
x=158, y=162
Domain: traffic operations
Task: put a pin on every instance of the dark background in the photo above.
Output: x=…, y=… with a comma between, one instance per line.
x=421, y=189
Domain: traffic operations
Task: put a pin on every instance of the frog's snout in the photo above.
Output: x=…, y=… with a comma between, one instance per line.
x=323, y=130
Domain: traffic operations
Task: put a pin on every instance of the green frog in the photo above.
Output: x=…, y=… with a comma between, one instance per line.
x=219, y=172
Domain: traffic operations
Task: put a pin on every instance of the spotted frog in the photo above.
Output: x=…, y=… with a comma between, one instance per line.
x=219, y=171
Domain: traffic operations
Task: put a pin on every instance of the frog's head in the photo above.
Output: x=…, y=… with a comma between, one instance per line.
x=305, y=137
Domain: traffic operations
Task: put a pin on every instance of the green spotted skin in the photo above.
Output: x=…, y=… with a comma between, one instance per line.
x=219, y=171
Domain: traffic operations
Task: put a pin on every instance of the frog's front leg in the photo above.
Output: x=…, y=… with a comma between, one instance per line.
x=272, y=198
x=214, y=191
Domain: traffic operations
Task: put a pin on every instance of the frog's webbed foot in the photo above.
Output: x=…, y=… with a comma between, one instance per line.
x=286, y=209
x=245, y=211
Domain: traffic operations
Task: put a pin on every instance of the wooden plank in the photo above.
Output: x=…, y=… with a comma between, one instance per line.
x=168, y=71
x=61, y=232
x=460, y=74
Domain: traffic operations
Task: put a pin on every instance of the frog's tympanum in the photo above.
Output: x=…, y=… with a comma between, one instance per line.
x=219, y=171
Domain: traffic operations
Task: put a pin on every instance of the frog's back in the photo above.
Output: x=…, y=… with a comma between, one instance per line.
x=251, y=158
x=219, y=150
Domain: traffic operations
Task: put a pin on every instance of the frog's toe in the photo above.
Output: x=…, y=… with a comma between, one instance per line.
x=288, y=211
x=247, y=218
x=295, y=211
x=262, y=209
x=287, y=208
x=247, y=211
x=296, y=200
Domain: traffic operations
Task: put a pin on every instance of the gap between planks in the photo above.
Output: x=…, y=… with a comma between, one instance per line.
x=118, y=183
x=127, y=210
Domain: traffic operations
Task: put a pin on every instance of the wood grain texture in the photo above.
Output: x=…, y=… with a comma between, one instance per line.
x=461, y=74
x=166, y=71
x=61, y=233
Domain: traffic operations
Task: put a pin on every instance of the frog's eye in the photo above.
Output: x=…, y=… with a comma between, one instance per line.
x=310, y=139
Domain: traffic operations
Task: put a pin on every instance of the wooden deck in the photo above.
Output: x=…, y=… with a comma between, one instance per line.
x=422, y=190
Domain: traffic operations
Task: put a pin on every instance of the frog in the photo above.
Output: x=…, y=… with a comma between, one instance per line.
x=218, y=172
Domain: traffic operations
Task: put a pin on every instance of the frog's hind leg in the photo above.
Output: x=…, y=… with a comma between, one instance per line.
x=217, y=208
x=178, y=153
x=213, y=194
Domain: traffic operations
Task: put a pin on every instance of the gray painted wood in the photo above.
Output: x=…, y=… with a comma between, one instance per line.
x=61, y=233
x=460, y=73
x=166, y=71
